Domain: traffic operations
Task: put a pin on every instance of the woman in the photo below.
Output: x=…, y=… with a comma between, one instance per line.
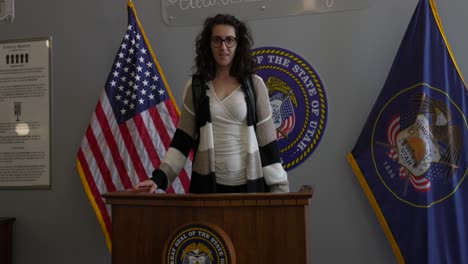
x=226, y=119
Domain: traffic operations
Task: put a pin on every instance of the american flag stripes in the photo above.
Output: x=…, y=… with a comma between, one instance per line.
x=289, y=119
x=132, y=125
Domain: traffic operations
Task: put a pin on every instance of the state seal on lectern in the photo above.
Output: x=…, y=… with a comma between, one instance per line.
x=200, y=243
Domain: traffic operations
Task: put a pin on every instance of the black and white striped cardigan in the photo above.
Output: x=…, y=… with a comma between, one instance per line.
x=264, y=169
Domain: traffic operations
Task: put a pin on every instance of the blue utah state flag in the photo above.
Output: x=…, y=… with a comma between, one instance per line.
x=411, y=157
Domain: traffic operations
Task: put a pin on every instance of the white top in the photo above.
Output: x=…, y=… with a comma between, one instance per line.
x=228, y=118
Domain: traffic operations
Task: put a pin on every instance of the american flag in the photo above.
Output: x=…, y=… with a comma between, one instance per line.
x=288, y=117
x=132, y=125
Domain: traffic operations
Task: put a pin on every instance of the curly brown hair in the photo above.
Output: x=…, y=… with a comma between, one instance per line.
x=243, y=64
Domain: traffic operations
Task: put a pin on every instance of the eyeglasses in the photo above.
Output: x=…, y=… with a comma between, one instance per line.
x=229, y=41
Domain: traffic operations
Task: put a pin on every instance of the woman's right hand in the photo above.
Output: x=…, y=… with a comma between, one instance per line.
x=148, y=184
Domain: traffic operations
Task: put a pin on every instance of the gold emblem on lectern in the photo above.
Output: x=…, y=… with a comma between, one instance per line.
x=199, y=244
x=197, y=253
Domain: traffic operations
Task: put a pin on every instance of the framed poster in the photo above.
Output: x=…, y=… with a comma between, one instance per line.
x=25, y=122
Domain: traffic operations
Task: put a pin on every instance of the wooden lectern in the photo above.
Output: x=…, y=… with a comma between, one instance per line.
x=260, y=228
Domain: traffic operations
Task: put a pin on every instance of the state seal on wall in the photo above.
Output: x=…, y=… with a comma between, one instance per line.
x=298, y=102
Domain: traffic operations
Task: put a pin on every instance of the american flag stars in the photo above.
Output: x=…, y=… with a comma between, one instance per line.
x=134, y=85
